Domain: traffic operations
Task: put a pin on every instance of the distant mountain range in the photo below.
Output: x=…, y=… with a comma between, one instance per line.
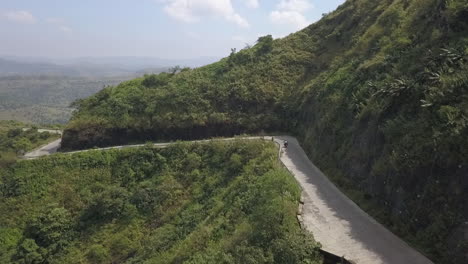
x=139, y=63
x=10, y=67
x=40, y=90
x=92, y=66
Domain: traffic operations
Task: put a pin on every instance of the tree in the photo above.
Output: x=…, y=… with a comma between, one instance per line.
x=22, y=145
x=295, y=247
x=52, y=229
x=112, y=202
x=265, y=44
x=14, y=132
x=98, y=254
x=175, y=69
x=29, y=253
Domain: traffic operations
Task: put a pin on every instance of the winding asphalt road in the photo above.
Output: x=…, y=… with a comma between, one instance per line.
x=48, y=149
x=335, y=221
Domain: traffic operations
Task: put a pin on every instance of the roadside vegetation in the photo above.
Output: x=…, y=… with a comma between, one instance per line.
x=15, y=141
x=219, y=202
x=376, y=91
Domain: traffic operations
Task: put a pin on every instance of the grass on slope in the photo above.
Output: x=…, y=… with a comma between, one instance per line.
x=220, y=202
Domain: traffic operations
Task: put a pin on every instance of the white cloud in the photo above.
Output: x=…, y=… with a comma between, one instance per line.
x=295, y=5
x=193, y=10
x=60, y=23
x=294, y=18
x=252, y=3
x=291, y=12
x=193, y=35
x=24, y=17
x=65, y=29
x=55, y=20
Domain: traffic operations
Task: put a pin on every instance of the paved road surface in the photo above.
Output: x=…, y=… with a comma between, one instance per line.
x=336, y=222
x=41, y=130
x=48, y=149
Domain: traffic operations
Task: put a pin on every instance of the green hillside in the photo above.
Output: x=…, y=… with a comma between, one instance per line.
x=221, y=202
x=376, y=91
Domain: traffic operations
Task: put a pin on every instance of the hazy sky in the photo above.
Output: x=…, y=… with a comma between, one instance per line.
x=173, y=29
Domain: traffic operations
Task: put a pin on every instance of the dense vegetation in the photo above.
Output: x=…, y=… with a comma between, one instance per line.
x=46, y=99
x=376, y=91
x=219, y=202
x=390, y=120
x=17, y=138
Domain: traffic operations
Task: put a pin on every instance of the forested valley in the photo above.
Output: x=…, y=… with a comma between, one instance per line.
x=376, y=91
x=46, y=99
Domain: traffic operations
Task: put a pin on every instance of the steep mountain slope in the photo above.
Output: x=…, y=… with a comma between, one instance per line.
x=251, y=90
x=391, y=119
x=220, y=202
x=377, y=91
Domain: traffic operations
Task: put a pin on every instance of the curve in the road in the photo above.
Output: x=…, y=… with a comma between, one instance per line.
x=335, y=221
x=338, y=223
x=48, y=149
